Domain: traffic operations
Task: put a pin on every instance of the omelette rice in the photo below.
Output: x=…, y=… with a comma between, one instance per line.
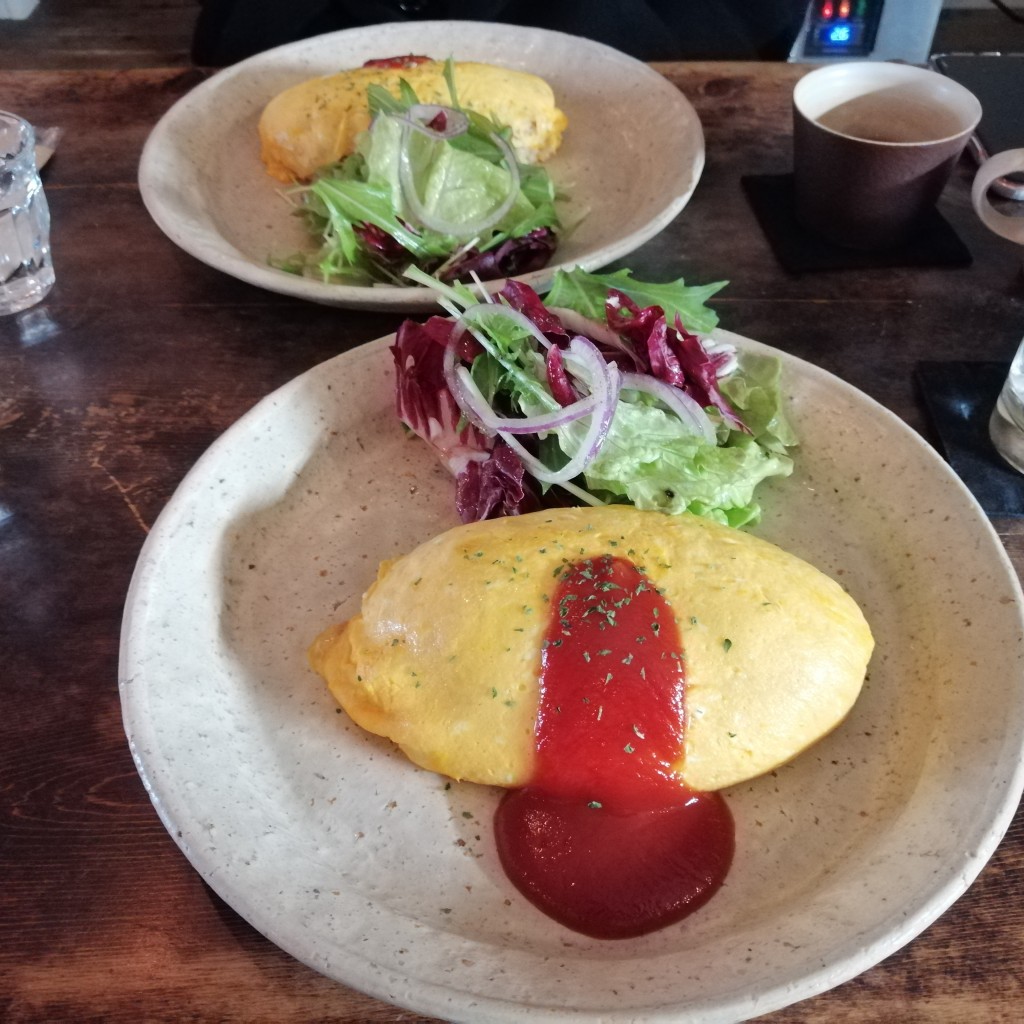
x=316, y=122
x=445, y=656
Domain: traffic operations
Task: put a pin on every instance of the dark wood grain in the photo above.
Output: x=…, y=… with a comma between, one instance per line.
x=100, y=34
x=142, y=356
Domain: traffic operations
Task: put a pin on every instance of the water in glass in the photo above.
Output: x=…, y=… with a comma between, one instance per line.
x=1006, y=426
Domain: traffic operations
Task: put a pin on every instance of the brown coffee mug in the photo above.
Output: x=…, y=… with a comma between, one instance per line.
x=873, y=147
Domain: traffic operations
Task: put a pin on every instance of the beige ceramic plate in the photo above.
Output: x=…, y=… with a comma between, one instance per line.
x=632, y=154
x=380, y=876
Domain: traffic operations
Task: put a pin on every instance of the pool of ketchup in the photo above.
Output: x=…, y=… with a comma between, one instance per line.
x=604, y=838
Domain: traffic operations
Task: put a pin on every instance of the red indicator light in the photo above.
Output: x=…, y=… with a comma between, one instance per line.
x=827, y=10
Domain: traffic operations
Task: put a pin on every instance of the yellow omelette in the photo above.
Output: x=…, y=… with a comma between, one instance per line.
x=316, y=122
x=445, y=657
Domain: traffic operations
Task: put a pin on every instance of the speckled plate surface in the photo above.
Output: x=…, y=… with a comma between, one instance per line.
x=630, y=160
x=373, y=872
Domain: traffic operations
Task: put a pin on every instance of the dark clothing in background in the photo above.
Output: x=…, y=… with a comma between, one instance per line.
x=230, y=30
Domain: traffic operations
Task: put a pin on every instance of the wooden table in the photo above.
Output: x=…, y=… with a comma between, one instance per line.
x=142, y=356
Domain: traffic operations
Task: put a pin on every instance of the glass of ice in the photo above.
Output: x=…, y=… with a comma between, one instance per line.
x=26, y=270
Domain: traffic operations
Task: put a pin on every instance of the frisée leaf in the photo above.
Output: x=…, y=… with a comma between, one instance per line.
x=586, y=293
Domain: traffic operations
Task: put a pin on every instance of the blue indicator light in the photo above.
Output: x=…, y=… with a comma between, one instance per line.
x=845, y=36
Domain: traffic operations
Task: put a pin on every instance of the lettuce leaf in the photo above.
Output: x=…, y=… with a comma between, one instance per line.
x=651, y=462
x=756, y=394
x=453, y=184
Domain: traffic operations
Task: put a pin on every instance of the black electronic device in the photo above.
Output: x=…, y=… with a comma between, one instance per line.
x=842, y=28
x=837, y=30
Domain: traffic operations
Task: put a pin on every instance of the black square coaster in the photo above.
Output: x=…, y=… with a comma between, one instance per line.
x=959, y=398
x=936, y=244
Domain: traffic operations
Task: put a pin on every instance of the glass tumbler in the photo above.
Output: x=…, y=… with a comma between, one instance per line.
x=26, y=271
x=1006, y=425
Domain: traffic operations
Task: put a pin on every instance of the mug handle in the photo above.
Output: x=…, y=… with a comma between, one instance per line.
x=998, y=166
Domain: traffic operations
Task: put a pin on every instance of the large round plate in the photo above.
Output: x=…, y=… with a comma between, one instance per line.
x=384, y=877
x=632, y=154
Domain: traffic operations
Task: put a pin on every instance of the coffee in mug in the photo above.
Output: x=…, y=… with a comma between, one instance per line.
x=879, y=117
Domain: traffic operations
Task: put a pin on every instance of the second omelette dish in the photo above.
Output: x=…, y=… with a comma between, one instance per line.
x=316, y=122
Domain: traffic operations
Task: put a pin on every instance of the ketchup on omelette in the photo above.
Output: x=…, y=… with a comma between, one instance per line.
x=605, y=839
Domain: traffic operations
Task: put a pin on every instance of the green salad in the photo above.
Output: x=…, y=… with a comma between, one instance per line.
x=607, y=390
x=428, y=186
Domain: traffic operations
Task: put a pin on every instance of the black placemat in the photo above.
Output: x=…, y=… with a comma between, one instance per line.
x=799, y=251
x=959, y=398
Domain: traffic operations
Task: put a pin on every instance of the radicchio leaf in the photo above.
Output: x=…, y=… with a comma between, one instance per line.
x=676, y=357
x=702, y=374
x=423, y=400
x=662, y=360
x=493, y=487
x=522, y=298
x=558, y=379
x=385, y=249
x=628, y=319
x=515, y=256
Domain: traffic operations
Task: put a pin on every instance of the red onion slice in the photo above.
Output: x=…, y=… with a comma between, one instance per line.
x=450, y=367
x=480, y=412
x=472, y=402
x=688, y=410
x=605, y=382
x=602, y=379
